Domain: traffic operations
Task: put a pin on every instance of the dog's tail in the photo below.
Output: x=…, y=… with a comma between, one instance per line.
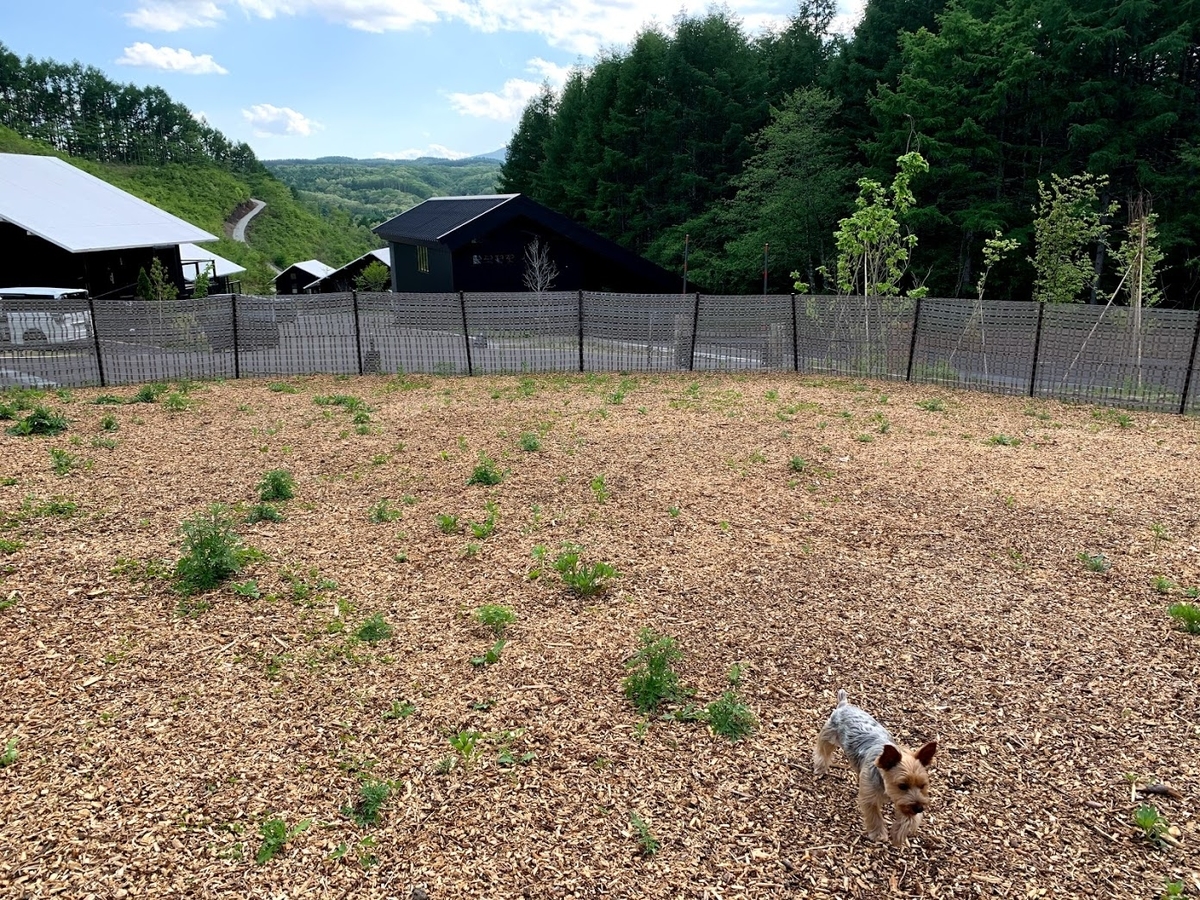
x=842, y=701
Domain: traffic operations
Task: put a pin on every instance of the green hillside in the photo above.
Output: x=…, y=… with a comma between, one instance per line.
x=370, y=191
x=206, y=194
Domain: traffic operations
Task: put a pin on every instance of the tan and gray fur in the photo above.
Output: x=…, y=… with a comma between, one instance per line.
x=887, y=771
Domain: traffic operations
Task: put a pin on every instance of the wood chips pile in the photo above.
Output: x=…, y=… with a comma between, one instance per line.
x=818, y=534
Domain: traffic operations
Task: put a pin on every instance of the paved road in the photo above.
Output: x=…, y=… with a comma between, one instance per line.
x=239, y=230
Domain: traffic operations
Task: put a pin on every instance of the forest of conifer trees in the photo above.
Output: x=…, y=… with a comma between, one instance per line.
x=736, y=142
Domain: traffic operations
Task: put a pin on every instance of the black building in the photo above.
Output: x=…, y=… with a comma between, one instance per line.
x=479, y=244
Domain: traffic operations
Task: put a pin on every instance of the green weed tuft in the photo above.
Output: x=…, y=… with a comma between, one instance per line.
x=372, y=795
x=653, y=680
x=645, y=838
x=263, y=512
x=729, y=717
x=275, y=835
x=213, y=552
x=485, y=472
x=40, y=421
x=278, y=484
x=495, y=618
x=383, y=512
x=1187, y=615
x=374, y=629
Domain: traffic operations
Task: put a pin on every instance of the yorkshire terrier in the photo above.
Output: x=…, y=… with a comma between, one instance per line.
x=886, y=770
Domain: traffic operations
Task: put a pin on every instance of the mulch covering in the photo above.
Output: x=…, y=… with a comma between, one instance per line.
x=921, y=558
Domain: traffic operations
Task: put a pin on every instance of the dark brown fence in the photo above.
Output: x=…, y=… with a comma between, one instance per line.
x=1095, y=354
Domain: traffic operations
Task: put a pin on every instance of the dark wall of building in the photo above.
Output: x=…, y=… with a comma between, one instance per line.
x=30, y=261
x=292, y=280
x=407, y=276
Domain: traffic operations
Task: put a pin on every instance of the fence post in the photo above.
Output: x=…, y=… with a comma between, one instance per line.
x=357, y=332
x=1037, y=347
x=1187, y=379
x=695, y=324
x=237, y=366
x=96, y=339
x=581, y=331
x=795, y=338
x=462, y=303
x=912, y=344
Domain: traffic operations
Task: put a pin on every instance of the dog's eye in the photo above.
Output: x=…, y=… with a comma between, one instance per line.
x=904, y=785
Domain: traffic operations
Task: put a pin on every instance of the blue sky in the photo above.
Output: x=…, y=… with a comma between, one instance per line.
x=362, y=78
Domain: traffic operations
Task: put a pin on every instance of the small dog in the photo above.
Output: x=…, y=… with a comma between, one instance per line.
x=886, y=770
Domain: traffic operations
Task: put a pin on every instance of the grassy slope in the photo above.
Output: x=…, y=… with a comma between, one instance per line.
x=285, y=232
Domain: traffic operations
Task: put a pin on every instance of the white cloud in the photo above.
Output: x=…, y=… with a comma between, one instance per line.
x=434, y=150
x=575, y=26
x=551, y=72
x=175, y=15
x=273, y=121
x=168, y=59
x=505, y=106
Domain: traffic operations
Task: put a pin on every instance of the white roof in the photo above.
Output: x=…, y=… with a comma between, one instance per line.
x=383, y=254
x=77, y=211
x=313, y=267
x=221, y=267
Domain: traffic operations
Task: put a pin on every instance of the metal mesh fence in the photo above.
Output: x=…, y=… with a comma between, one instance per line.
x=1105, y=355
x=412, y=333
x=738, y=333
x=523, y=332
x=44, y=343
x=983, y=346
x=1095, y=354
x=637, y=332
x=866, y=336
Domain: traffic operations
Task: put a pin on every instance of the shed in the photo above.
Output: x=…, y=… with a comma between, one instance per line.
x=343, y=279
x=297, y=277
x=479, y=243
x=61, y=227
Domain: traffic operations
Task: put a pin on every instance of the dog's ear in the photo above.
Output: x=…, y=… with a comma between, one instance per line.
x=889, y=757
x=925, y=754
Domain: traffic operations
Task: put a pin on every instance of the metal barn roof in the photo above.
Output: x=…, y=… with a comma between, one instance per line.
x=383, y=254
x=222, y=267
x=313, y=267
x=438, y=216
x=66, y=206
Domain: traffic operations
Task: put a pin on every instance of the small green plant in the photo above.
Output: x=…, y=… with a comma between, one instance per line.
x=275, y=835
x=8, y=545
x=40, y=421
x=673, y=511
x=933, y=404
x=1187, y=615
x=1095, y=562
x=383, y=512
x=213, y=552
x=485, y=472
x=103, y=443
x=652, y=680
x=59, y=507
x=645, y=838
x=467, y=745
x=247, y=588
x=400, y=710
x=278, y=484
x=10, y=754
x=1003, y=440
x=110, y=423
x=1151, y=822
x=495, y=618
x=149, y=393
x=729, y=717
x=62, y=461
x=599, y=489
x=281, y=387
x=374, y=629
x=530, y=442
x=107, y=400
x=585, y=580
x=484, y=529
x=306, y=586
x=491, y=657
x=263, y=512
x=734, y=676
x=447, y=524
x=372, y=795
x=348, y=403
x=1172, y=890
x=176, y=402
x=1162, y=584
x=798, y=464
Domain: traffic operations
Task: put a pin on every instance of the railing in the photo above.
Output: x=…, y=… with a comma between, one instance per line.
x=1086, y=353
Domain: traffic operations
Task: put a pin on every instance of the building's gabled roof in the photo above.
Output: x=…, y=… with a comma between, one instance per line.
x=221, y=267
x=433, y=220
x=313, y=267
x=68, y=207
x=383, y=254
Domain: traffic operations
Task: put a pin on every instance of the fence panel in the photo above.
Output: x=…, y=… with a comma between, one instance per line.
x=1104, y=355
x=513, y=333
x=46, y=343
x=866, y=336
x=145, y=340
x=637, y=332
x=984, y=346
x=412, y=333
x=736, y=333
x=297, y=334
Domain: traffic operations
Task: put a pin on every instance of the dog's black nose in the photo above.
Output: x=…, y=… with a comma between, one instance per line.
x=917, y=809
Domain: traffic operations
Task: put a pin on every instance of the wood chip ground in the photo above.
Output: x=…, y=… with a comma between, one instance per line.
x=817, y=533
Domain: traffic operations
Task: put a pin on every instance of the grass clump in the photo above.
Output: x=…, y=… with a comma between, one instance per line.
x=484, y=529
x=213, y=551
x=530, y=442
x=1095, y=562
x=585, y=580
x=374, y=629
x=485, y=472
x=729, y=717
x=495, y=617
x=40, y=421
x=10, y=754
x=275, y=835
x=61, y=461
x=1187, y=615
x=278, y=484
x=645, y=838
x=372, y=795
x=149, y=393
x=383, y=512
x=281, y=387
x=652, y=680
x=263, y=512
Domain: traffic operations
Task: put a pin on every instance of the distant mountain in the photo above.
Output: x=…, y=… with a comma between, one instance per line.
x=500, y=155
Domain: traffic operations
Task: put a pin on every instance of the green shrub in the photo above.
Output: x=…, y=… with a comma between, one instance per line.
x=149, y=393
x=275, y=835
x=729, y=717
x=278, y=484
x=485, y=472
x=383, y=512
x=374, y=629
x=530, y=442
x=40, y=420
x=495, y=617
x=1187, y=615
x=263, y=512
x=62, y=461
x=652, y=680
x=213, y=552
x=583, y=579
x=372, y=795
